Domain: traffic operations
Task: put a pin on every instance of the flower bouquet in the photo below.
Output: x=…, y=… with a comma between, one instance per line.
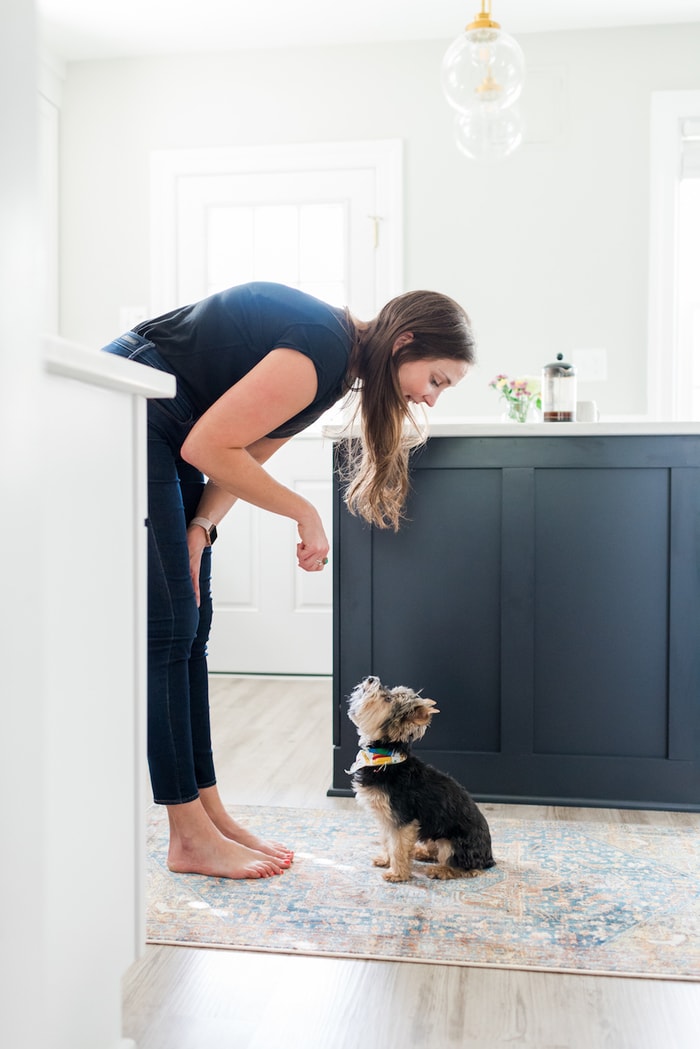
x=521, y=395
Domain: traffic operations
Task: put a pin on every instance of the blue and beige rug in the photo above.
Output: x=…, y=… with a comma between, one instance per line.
x=565, y=896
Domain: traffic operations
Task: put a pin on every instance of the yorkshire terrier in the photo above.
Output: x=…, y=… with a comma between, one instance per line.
x=423, y=813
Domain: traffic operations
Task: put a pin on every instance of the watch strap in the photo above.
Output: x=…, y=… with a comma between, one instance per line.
x=208, y=526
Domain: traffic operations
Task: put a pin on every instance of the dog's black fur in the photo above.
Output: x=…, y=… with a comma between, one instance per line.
x=423, y=813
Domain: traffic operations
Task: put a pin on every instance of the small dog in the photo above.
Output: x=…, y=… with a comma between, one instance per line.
x=423, y=813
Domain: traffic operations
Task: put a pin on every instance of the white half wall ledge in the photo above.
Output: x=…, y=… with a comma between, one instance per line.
x=72, y=361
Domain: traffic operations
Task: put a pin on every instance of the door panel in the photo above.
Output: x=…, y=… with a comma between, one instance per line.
x=269, y=615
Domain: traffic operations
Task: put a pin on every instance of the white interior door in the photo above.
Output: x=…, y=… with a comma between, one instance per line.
x=309, y=229
x=323, y=219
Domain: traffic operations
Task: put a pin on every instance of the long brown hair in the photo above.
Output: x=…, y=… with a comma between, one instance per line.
x=377, y=469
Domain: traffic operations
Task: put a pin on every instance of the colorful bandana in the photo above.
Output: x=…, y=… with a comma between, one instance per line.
x=376, y=758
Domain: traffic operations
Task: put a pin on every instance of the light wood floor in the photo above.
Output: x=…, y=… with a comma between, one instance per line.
x=272, y=740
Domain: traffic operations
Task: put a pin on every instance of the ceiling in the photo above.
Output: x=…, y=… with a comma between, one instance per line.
x=87, y=29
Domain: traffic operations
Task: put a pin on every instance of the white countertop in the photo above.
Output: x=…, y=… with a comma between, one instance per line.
x=602, y=428
x=495, y=428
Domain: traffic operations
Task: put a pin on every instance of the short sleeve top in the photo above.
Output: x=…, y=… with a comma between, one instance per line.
x=212, y=344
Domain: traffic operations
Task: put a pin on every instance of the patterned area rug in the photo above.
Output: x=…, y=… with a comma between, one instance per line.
x=582, y=897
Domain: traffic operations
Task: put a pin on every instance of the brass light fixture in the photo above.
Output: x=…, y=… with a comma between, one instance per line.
x=482, y=77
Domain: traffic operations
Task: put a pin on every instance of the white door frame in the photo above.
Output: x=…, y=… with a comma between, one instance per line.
x=668, y=109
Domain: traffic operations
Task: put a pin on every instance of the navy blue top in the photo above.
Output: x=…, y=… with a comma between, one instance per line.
x=212, y=344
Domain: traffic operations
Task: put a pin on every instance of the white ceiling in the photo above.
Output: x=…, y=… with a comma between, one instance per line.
x=84, y=29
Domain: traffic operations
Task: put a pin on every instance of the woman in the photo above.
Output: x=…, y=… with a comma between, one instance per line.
x=255, y=365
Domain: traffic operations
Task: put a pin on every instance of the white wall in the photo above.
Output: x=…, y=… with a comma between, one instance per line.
x=23, y=820
x=548, y=251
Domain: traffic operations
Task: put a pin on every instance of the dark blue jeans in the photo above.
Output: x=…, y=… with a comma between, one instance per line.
x=179, y=737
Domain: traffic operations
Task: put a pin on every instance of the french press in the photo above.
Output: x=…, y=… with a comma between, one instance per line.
x=559, y=391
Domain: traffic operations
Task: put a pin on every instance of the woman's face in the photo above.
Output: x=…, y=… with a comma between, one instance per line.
x=422, y=381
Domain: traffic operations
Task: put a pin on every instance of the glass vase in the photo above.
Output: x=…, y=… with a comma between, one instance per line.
x=521, y=411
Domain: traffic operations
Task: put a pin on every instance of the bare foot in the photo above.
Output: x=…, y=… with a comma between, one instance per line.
x=197, y=847
x=228, y=861
x=234, y=831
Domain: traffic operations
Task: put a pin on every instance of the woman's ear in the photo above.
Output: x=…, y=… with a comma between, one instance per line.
x=401, y=340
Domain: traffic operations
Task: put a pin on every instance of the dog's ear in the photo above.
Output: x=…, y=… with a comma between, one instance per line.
x=423, y=711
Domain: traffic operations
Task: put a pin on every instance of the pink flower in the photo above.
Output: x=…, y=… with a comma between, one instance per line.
x=518, y=394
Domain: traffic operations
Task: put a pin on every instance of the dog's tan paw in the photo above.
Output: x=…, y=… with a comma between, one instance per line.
x=444, y=873
x=380, y=861
x=394, y=876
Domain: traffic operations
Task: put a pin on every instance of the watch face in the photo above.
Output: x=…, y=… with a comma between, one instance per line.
x=212, y=534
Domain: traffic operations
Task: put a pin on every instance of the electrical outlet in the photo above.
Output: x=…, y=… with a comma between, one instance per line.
x=591, y=364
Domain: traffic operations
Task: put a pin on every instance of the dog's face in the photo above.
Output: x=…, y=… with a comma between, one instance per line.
x=398, y=714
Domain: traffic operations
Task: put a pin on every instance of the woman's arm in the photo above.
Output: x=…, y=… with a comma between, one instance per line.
x=225, y=444
x=216, y=503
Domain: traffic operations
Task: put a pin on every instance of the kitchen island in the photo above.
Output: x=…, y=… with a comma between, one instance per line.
x=545, y=591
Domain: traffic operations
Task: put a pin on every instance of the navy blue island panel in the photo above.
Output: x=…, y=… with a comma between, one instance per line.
x=545, y=591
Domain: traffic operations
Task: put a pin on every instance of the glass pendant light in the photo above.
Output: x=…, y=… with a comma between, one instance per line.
x=481, y=135
x=483, y=65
